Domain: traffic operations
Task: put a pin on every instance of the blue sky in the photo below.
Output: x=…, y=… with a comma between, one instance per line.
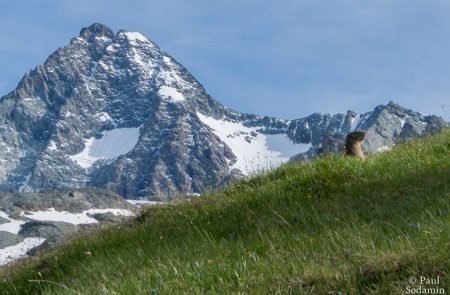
x=286, y=58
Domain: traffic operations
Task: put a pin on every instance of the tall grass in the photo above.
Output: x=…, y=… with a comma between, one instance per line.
x=334, y=226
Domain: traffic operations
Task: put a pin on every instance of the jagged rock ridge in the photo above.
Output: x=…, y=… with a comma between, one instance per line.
x=112, y=110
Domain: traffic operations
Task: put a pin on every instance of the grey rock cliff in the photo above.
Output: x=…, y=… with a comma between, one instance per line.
x=386, y=126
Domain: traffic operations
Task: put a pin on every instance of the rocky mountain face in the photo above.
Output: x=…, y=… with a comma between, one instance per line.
x=112, y=110
x=386, y=126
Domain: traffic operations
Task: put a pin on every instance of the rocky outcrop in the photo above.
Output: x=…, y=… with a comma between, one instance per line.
x=51, y=217
x=71, y=200
x=52, y=231
x=8, y=239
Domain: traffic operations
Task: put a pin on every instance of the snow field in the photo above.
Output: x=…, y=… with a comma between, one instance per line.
x=19, y=250
x=112, y=144
x=255, y=151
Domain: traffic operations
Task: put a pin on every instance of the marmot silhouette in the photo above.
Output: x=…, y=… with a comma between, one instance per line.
x=353, y=143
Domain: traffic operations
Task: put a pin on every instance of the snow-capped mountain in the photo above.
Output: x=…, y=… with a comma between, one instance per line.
x=112, y=110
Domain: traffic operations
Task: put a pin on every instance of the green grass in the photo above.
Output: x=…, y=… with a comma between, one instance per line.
x=335, y=226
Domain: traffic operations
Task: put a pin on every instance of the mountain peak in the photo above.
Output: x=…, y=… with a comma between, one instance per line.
x=114, y=111
x=96, y=30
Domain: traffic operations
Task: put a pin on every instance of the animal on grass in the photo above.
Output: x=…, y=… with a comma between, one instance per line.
x=353, y=142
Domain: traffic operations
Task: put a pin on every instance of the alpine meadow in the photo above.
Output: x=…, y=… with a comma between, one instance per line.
x=333, y=226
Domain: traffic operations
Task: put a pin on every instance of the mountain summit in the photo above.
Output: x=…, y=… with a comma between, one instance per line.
x=112, y=110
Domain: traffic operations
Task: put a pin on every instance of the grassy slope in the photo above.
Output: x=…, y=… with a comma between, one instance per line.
x=333, y=225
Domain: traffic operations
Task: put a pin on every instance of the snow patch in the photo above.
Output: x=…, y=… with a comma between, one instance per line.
x=255, y=151
x=111, y=48
x=354, y=122
x=143, y=202
x=25, y=183
x=282, y=144
x=73, y=218
x=104, y=117
x=383, y=149
x=52, y=146
x=93, y=70
x=69, y=114
x=13, y=226
x=171, y=74
x=135, y=36
x=11, y=253
x=193, y=195
x=142, y=62
x=112, y=144
x=170, y=93
x=104, y=39
x=403, y=121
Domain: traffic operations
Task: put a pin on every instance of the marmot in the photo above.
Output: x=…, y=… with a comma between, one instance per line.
x=353, y=143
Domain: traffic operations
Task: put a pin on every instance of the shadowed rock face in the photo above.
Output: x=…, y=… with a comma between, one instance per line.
x=59, y=123
x=45, y=229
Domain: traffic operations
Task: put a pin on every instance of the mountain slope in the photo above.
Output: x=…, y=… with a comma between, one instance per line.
x=337, y=225
x=111, y=110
